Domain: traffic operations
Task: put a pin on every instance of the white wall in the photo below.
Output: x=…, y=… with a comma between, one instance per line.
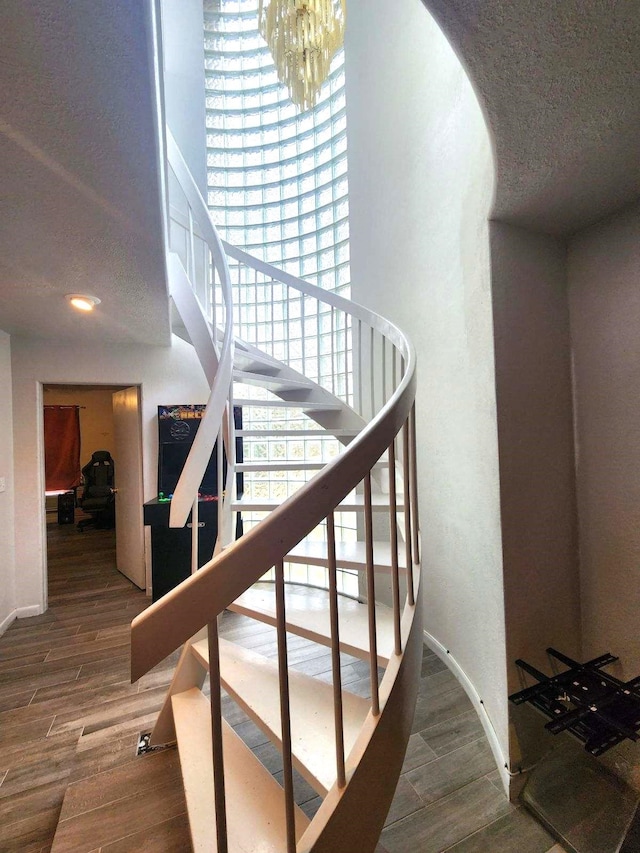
x=421, y=186
x=183, y=55
x=535, y=432
x=166, y=374
x=604, y=280
x=7, y=570
x=604, y=298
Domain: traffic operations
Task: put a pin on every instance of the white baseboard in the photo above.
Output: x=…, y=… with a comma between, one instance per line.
x=472, y=693
x=26, y=612
x=7, y=621
x=19, y=613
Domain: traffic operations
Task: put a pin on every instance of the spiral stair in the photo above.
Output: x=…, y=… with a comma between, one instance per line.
x=349, y=512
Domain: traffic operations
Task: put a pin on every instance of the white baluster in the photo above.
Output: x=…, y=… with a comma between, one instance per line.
x=407, y=510
x=216, y=734
x=393, y=533
x=371, y=597
x=335, y=651
x=285, y=708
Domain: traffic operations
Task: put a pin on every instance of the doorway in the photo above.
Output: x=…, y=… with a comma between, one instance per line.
x=110, y=420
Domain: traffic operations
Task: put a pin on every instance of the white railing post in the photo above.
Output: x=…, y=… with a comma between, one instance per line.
x=372, y=384
x=407, y=510
x=347, y=353
x=335, y=651
x=384, y=371
x=285, y=709
x=221, y=536
x=371, y=597
x=195, y=533
x=414, y=484
x=359, y=371
x=393, y=536
x=213, y=300
x=216, y=735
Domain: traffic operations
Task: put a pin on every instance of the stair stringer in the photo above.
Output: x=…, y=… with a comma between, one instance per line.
x=352, y=817
x=196, y=328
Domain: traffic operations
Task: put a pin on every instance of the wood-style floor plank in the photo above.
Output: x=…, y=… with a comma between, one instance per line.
x=169, y=836
x=65, y=674
x=16, y=700
x=37, y=763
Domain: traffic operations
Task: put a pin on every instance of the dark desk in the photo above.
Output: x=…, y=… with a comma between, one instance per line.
x=171, y=546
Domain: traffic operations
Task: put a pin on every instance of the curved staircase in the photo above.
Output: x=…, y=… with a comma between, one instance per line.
x=327, y=376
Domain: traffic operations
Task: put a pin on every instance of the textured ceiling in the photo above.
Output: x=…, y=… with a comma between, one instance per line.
x=79, y=194
x=79, y=209
x=559, y=81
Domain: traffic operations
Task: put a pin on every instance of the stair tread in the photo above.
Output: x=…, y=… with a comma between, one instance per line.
x=352, y=503
x=256, y=362
x=349, y=555
x=255, y=801
x=306, y=405
x=264, y=380
x=252, y=680
x=296, y=433
x=302, y=465
x=292, y=465
x=258, y=602
x=247, y=350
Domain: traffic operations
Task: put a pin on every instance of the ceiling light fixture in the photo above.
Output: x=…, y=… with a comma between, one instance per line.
x=82, y=302
x=303, y=36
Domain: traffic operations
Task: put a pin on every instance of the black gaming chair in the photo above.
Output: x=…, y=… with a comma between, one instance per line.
x=98, y=498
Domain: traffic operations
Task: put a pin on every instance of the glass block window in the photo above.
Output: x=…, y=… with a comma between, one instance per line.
x=277, y=178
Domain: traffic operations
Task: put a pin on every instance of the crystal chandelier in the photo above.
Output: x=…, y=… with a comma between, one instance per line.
x=303, y=36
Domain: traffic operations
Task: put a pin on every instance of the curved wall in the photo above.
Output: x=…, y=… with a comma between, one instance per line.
x=420, y=193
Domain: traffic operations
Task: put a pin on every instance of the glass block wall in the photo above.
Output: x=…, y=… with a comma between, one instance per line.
x=277, y=178
x=277, y=188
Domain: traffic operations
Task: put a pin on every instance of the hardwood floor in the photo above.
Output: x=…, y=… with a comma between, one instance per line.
x=70, y=722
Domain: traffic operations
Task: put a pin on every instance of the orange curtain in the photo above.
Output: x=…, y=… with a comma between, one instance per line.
x=61, y=447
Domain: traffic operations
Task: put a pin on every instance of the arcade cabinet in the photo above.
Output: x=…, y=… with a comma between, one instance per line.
x=171, y=546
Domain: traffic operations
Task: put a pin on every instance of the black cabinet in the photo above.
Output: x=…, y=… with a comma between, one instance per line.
x=66, y=508
x=171, y=546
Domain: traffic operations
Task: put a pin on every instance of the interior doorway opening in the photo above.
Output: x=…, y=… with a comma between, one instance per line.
x=110, y=421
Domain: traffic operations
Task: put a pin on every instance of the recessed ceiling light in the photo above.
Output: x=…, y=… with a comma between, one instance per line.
x=82, y=302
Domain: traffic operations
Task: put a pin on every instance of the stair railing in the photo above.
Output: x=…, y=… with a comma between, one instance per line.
x=200, y=285
x=345, y=348
x=353, y=811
